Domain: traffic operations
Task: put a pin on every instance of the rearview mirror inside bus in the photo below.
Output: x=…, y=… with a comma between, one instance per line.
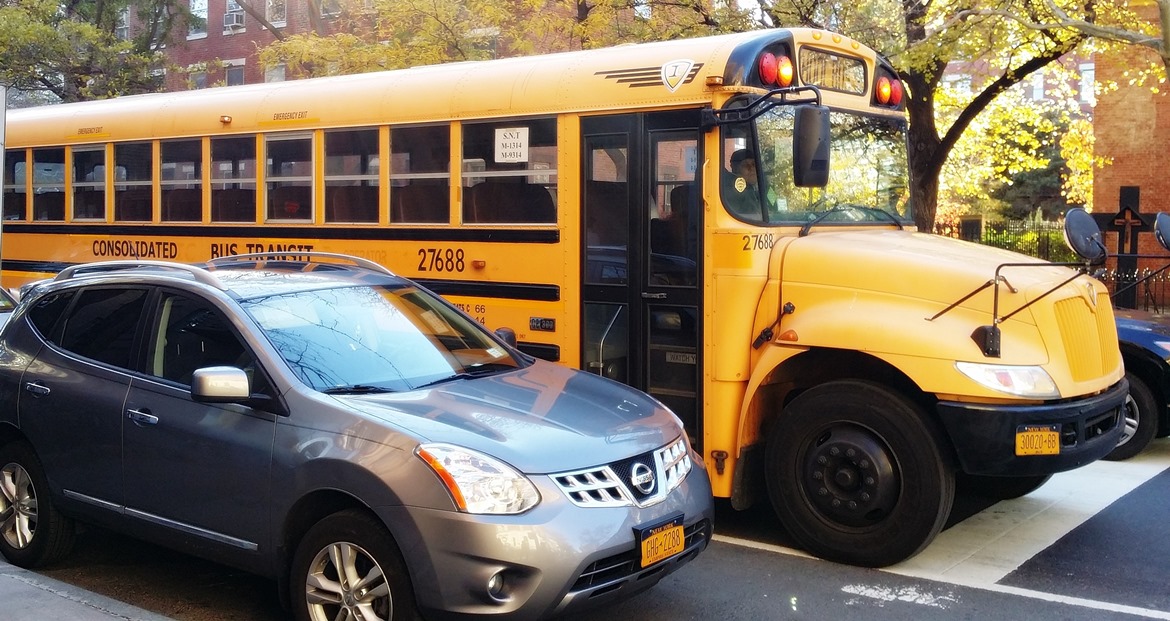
x=810, y=146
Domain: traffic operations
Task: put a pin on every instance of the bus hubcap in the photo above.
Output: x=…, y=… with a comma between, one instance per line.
x=849, y=477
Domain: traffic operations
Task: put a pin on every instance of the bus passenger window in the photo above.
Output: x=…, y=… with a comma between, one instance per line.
x=510, y=172
x=15, y=193
x=420, y=178
x=133, y=166
x=181, y=180
x=290, y=177
x=351, y=176
x=49, y=184
x=233, y=179
x=89, y=183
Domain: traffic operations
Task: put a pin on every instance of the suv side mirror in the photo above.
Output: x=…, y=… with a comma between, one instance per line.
x=810, y=146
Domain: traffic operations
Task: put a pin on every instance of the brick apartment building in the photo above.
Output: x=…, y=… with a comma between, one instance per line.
x=226, y=49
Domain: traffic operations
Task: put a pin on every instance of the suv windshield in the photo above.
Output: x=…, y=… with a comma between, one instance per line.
x=375, y=338
x=867, y=180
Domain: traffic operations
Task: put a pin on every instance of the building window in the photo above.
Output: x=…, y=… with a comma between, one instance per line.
x=274, y=74
x=330, y=8
x=197, y=28
x=1088, y=83
x=233, y=18
x=122, y=28
x=1037, y=86
x=199, y=79
x=275, y=12
x=235, y=72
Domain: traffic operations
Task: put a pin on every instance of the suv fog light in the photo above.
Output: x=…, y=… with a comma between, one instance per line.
x=497, y=587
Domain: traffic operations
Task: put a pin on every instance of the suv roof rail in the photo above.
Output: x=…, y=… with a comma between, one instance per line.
x=309, y=257
x=198, y=273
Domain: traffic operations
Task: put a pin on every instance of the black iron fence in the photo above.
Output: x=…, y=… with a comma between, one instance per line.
x=1040, y=239
x=1146, y=287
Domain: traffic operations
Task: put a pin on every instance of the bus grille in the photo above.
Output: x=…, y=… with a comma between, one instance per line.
x=1090, y=341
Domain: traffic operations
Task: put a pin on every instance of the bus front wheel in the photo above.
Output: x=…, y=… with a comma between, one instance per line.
x=856, y=474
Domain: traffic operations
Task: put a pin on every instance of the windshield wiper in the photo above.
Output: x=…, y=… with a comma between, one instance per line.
x=356, y=389
x=848, y=207
x=472, y=372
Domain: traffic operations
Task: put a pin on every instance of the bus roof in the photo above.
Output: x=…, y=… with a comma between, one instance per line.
x=610, y=79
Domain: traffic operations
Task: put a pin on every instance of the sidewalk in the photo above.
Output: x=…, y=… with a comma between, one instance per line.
x=26, y=596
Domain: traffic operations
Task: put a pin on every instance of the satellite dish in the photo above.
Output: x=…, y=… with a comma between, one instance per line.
x=1162, y=230
x=1082, y=234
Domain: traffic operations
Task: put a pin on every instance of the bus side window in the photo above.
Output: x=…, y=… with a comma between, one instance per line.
x=182, y=205
x=351, y=203
x=233, y=205
x=504, y=201
x=290, y=202
x=132, y=204
x=421, y=203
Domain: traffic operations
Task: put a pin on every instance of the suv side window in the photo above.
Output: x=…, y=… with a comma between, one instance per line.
x=45, y=314
x=103, y=324
x=193, y=334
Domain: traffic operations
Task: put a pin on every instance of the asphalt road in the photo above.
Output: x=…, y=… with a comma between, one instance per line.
x=1092, y=544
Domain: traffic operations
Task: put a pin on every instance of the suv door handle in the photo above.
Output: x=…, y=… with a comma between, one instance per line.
x=141, y=417
x=36, y=389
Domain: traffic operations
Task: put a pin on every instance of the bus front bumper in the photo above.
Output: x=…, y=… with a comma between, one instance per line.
x=1017, y=440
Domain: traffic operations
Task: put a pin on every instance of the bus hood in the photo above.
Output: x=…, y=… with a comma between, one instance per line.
x=541, y=419
x=913, y=265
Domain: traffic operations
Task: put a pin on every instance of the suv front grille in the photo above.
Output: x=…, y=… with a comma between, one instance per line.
x=642, y=480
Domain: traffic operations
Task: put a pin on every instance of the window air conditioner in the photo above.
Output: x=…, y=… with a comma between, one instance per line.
x=233, y=20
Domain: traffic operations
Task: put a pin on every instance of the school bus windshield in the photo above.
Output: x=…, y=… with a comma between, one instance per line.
x=867, y=183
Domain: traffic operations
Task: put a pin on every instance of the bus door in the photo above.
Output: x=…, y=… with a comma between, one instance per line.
x=641, y=225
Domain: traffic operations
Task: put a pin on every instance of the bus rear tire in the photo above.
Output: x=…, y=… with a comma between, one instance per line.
x=856, y=474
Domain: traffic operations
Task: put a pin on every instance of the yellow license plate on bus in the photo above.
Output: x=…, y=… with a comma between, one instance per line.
x=1038, y=440
x=658, y=543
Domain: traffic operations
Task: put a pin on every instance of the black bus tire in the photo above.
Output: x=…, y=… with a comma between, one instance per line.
x=857, y=474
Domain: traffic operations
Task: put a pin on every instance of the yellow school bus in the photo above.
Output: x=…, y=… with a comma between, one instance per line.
x=722, y=222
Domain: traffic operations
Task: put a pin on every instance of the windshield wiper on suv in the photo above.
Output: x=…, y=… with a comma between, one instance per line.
x=472, y=372
x=356, y=389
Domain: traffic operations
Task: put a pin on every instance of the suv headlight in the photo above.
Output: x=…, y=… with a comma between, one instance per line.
x=478, y=483
x=1021, y=381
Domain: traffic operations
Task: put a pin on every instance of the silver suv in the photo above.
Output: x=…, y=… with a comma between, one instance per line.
x=338, y=428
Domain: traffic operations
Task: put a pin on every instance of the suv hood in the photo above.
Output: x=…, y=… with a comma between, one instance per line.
x=541, y=419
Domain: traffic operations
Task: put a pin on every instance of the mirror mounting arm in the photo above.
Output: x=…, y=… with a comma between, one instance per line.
x=727, y=116
x=987, y=337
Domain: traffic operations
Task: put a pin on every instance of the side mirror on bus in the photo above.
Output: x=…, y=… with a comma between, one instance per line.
x=1082, y=234
x=810, y=146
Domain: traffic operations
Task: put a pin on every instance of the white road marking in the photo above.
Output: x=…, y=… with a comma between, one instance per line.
x=986, y=547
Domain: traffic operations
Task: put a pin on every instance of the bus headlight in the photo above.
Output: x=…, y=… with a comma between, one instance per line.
x=1021, y=381
x=478, y=483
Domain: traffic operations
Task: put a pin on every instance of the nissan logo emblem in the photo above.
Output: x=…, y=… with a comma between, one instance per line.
x=642, y=478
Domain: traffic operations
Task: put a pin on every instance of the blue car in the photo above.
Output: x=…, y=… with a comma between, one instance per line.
x=1145, y=347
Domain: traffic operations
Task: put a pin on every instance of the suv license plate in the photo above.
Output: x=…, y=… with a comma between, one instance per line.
x=1038, y=440
x=660, y=542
